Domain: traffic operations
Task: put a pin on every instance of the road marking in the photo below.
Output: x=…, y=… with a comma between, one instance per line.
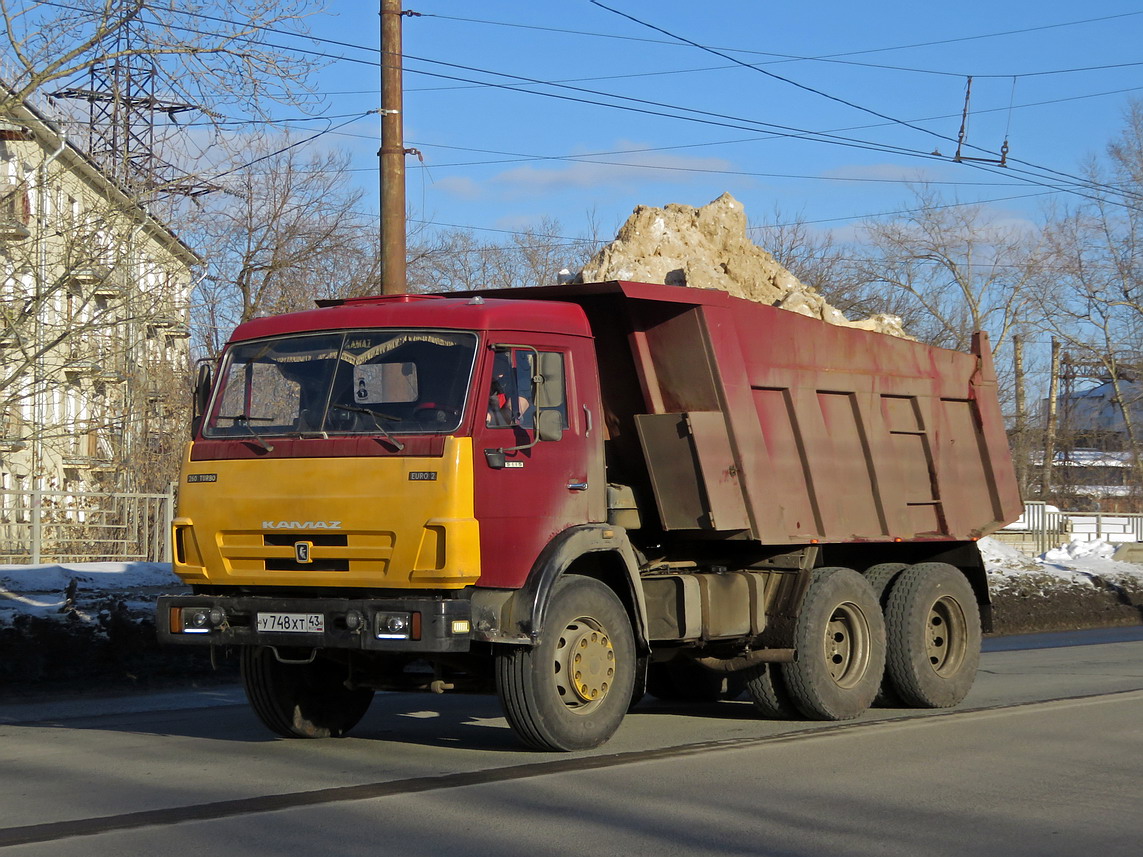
x=54, y=831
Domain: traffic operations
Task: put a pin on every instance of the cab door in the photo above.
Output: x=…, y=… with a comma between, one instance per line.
x=528, y=490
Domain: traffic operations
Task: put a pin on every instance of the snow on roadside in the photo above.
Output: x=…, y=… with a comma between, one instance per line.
x=1078, y=563
x=99, y=587
x=42, y=590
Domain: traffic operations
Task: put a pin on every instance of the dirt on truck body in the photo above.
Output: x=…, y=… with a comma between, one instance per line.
x=567, y=494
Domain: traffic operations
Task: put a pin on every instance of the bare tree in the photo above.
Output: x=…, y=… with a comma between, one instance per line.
x=220, y=53
x=94, y=288
x=91, y=293
x=1092, y=291
x=287, y=230
x=950, y=270
x=456, y=260
x=817, y=260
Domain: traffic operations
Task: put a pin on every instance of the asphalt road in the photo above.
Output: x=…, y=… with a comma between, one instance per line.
x=1045, y=757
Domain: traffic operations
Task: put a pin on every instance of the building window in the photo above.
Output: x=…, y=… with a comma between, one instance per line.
x=15, y=211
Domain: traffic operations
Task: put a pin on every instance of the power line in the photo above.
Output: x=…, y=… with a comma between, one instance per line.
x=772, y=127
x=1071, y=184
x=1074, y=185
x=290, y=146
x=796, y=58
x=846, y=102
x=771, y=74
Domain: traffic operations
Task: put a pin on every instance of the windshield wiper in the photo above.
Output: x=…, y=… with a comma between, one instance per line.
x=244, y=420
x=377, y=422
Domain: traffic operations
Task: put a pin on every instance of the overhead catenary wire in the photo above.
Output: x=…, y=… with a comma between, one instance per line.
x=1072, y=184
x=1060, y=184
x=520, y=157
x=796, y=58
x=823, y=94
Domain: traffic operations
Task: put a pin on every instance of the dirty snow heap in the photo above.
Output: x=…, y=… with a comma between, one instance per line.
x=707, y=248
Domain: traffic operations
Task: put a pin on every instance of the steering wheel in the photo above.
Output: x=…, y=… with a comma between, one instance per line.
x=340, y=418
x=431, y=412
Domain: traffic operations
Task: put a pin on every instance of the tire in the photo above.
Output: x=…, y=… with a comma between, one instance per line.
x=302, y=700
x=839, y=638
x=682, y=680
x=549, y=703
x=766, y=688
x=933, y=627
x=639, y=685
x=881, y=577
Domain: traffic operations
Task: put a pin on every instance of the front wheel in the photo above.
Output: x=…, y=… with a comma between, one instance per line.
x=839, y=637
x=571, y=689
x=933, y=625
x=302, y=699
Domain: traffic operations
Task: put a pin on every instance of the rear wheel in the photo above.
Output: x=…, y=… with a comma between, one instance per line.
x=767, y=689
x=840, y=642
x=302, y=700
x=881, y=577
x=571, y=689
x=933, y=626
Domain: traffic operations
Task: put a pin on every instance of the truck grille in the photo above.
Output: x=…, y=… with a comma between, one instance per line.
x=255, y=552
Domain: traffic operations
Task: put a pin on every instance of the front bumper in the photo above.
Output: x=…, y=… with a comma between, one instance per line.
x=434, y=624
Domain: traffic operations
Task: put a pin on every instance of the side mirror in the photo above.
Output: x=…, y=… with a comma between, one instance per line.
x=495, y=458
x=202, y=389
x=201, y=398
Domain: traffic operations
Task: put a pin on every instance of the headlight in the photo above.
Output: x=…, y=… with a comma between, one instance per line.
x=397, y=626
x=196, y=620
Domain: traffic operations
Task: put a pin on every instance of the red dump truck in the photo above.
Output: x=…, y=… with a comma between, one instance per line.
x=568, y=495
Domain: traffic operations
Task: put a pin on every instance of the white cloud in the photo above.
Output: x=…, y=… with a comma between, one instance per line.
x=461, y=186
x=633, y=165
x=884, y=172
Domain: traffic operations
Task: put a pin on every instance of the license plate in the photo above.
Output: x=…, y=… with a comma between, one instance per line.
x=292, y=623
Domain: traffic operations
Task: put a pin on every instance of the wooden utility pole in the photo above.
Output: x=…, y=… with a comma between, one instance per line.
x=394, y=279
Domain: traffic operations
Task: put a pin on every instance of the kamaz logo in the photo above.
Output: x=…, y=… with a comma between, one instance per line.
x=301, y=525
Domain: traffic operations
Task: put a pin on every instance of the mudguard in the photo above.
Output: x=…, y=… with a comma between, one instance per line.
x=524, y=612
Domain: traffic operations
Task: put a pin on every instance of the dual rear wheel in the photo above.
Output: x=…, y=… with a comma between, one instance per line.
x=899, y=633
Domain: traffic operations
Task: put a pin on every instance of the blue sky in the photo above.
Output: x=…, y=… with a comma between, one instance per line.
x=886, y=80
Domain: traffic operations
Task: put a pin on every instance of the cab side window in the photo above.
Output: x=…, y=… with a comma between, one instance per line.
x=511, y=398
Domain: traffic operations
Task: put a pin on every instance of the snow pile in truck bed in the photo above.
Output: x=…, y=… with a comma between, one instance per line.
x=708, y=248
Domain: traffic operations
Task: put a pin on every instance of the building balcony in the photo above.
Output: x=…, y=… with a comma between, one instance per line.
x=14, y=230
x=82, y=368
x=99, y=280
x=86, y=462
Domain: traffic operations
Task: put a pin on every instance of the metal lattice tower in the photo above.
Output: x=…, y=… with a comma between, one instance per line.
x=121, y=112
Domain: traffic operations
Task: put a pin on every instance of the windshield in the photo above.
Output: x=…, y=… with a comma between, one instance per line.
x=344, y=383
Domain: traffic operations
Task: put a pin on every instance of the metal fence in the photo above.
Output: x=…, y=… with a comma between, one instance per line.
x=1044, y=527
x=68, y=526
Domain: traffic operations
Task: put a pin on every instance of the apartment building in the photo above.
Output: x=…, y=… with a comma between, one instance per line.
x=94, y=297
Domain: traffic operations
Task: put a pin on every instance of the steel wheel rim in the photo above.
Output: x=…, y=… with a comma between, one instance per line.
x=847, y=645
x=584, y=665
x=946, y=636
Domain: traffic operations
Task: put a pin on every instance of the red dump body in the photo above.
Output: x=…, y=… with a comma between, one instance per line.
x=750, y=421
